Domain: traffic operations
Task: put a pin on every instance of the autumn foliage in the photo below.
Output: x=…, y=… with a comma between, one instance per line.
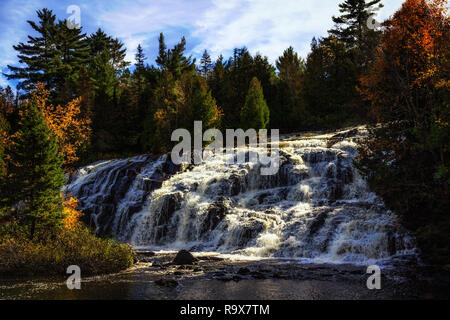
x=71, y=214
x=411, y=63
x=406, y=157
x=67, y=123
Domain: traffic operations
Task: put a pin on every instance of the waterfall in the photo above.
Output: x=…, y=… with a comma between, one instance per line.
x=316, y=207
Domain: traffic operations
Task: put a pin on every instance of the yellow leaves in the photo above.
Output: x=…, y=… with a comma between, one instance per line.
x=71, y=129
x=72, y=215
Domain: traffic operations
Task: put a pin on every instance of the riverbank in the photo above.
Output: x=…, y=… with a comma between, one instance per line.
x=215, y=277
x=21, y=256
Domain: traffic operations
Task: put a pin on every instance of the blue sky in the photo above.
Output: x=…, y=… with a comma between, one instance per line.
x=264, y=26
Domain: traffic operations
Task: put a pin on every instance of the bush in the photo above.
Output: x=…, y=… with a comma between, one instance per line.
x=78, y=246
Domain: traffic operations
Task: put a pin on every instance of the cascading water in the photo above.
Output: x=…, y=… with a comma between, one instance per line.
x=317, y=206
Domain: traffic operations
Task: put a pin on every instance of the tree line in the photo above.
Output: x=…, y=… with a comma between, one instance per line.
x=134, y=110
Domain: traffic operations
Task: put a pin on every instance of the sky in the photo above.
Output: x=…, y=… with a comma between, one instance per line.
x=263, y=26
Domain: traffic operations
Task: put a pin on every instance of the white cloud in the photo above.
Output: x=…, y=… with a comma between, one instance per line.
x=267, y=26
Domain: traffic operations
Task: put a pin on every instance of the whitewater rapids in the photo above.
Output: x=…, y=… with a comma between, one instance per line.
x=316, y=207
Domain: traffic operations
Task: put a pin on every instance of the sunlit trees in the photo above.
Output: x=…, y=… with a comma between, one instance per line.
x=35, y=174
x=407, y=157
x=255, y=112
x=71, y=214
x=66, y=122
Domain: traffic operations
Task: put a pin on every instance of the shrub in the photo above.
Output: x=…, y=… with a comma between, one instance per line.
x=77, y=246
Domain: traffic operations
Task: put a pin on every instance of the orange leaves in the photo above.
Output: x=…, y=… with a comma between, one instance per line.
x=71, y=214
x=72, y=130
x=411, y=62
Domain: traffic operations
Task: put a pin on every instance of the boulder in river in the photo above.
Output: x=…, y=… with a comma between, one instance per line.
x=184, y=257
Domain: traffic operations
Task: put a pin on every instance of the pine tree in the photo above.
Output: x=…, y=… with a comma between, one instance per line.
x=205, y=64
x=199, y=105
x=255, y=113
x=35, y=174
x=290, y=66
x=351, y=25
x=71, y=56
x=37, y=54
x=118, y=53
x=162, y=60
x=290, y=111
x=174, y=60
x=140, y=58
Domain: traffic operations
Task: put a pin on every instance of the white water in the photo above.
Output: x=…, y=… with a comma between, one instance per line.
x=317, y=206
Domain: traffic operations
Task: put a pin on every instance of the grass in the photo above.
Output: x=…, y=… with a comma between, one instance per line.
x=20, y=256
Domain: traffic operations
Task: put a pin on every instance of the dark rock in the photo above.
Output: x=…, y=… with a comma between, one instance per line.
x=145, y=253
x=317, y=223
x=169, y=283
x=257, y=275
x=210, y=258
x=226, y=278
x=244, y=271
x=184, y=257
x=215, y=214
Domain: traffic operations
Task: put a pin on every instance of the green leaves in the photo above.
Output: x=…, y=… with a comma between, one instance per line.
x=255, y=112
x=35, y=173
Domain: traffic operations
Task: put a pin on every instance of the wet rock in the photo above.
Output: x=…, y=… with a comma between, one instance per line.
x=258, y=275
x=215, y=214
x=168, y=283
x=235, y=185
x=244, y=271
x=341, y=136
x=317, y=223
x=249, y=232
x=184, y=258
x=206, y=258
x=316, y=156
x=145, y=253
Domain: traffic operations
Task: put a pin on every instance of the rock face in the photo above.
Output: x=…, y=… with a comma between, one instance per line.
x=110, y=193
x=315, y=206
x=184, y=257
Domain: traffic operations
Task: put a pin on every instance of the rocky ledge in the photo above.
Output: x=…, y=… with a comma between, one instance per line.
x=171, y=270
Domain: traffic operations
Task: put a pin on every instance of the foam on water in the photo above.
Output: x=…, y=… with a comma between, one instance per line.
x=317, y=207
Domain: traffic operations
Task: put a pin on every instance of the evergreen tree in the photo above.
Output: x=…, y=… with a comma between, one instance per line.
x=255, y=112
x=35, y=174
x=351, y=27
x=140, y=58
x=330, y=85
x=199, y=105
x=162, y=60
x=174, y=60
x=53, y=57
x=205, y=64
x=71, y=56
x=290, y=112
x=118, y=53
x=290, y=67
x=37, y=54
